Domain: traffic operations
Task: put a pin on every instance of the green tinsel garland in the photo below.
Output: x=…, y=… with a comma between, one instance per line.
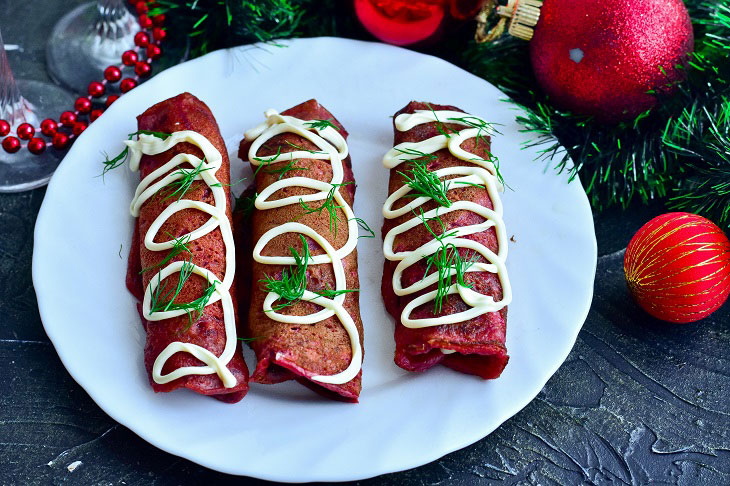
x=679, y=149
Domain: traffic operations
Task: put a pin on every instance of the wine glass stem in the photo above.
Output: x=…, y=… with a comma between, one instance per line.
x=13, y=107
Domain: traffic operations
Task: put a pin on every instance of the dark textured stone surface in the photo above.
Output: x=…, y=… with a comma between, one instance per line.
x=636, y=402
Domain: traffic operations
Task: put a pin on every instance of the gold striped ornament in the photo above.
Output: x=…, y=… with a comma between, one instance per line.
x=677, y=267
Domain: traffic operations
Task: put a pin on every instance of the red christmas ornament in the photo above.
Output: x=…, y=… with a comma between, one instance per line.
x=129, y=58
x=96, y=89
x=68, y=118
x=11, y=144
x=49, y=127
x=142, y=69
x=127, y=84
x=141, y=8
x=401, y=22
x=60, y=140
x=677, y=267
x=37, y=146
x=606, y=58
x=112, y=74
x=158, y=19
x=145, y=22
x=4, y=128
x=111, y=99
x=25, y=131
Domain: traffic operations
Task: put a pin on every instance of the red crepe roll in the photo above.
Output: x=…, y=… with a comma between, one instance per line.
x=205, y=328
x=474, y=345
x=290, y=350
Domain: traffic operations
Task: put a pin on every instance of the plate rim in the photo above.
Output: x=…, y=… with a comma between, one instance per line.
x=466, y=438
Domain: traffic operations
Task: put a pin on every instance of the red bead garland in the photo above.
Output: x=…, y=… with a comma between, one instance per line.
x=11, y=145
x=25, y=131
x=37, y=146
x=140, y=58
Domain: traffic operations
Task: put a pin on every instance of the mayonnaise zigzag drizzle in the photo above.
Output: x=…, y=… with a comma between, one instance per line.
x=480, y=172
x=332, y=147
x=212, y=161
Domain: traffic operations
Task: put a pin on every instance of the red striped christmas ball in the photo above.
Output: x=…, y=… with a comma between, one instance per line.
x=677, y=267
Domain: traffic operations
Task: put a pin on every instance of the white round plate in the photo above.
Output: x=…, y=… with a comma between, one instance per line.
x=285, y=432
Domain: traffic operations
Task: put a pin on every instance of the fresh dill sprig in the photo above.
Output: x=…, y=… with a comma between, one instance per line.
x=266, y=161
x=250, y=339
x=365, y=227
x=113, y=163
x=443, y=129
x=425, y=183
x=327, y=205
x=293, y=282
x=162, y=301
x=181, y=186
x=321, y=124
x=299, y=147
x=444, y=259
x=420, y=156
x=284, y=169
x=220, y=184
x=330, y=293
x=246, y=204
x=179, y=245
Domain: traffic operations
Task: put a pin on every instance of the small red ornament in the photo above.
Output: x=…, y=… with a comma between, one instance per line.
x=142, y=69
x=37, y=146
x=82, y=105
x=145, y=22
x=401, y=22
x=111, y=99
x=49, y=127
x=153, y=51
x=96, y=89
x=79, y=127
x=95, y=114
x=25, y=131
x=68, y=118
x=606, y=58
x=141, y=39
x=60, y=140
x=112, y=74
x=141, y=8
x=677, y=267
x=4, y=128
x=159, y=33
x=11, y=144
x=129, y=58
x=127, y=84
x=158, y=19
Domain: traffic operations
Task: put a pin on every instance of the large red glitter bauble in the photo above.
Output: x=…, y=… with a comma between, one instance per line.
x=401, y=22
x=610, y=58
x=677, y=267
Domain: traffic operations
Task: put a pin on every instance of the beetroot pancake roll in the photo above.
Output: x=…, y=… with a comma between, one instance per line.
x=304, y=314
x=182, y=262
x=445, y=280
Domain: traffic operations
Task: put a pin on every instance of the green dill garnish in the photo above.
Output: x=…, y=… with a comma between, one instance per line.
x=364, y=226
x=425, y=183
x=250, y=339
x=179, y=245
x=293, y=282
x=162, y=301
x=111, y=164
x=327, y=205
x=246, y=204
x=182, y=185
x=266, y=161
x=220, y=184
x=330, y=293
x=444, y=259
x=443, y=129
x=284, y=169
x=420, y=156
x=321, y=124
x=299, y=147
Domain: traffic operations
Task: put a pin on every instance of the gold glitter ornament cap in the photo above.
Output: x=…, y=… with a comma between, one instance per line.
x=522, y=15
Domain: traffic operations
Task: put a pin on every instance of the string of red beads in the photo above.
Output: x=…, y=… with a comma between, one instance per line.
x=147, y=43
